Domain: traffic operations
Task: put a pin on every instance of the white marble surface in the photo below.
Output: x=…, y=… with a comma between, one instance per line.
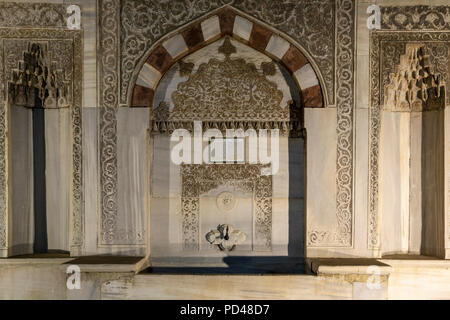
x=306, y=77
x=58, y=177
x=394, y=173
x=132, y=173
x=21, y=232
x=277, y=46
x=242, y=27
x=411, y=183
x=320, y=170
x=46, y=279
x=210, y=28
x=175, y=46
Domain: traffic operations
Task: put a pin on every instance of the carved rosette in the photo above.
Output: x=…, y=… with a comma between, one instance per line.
x=415, y=17
x=200, y=179
x=109, y=84
x=226, y=201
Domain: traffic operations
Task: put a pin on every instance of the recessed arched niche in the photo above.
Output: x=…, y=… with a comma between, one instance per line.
x=43, y=107
x=227, y=160
x=411, y=157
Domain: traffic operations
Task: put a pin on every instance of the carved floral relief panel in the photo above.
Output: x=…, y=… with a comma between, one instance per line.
x=199, y=179
x=35, y=15
x=415, y=18
x=227, y=85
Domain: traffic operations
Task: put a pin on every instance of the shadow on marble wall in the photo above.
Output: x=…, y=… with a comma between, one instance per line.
x=433, y=184
x=39, y=181
x=296, y=246
x=241, y=265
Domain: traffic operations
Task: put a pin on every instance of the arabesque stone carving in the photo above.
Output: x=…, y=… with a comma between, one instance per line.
x=415, y=17
x=342, y=234
x=18, y=14
x=310, y=23
x=227, y=94
x=200, y=179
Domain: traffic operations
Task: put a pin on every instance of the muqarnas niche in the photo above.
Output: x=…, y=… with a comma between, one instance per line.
x=38, y=83
x=414, y=86
x=41, y=112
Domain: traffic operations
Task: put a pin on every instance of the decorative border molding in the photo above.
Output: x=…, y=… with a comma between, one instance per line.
x=108, y=25
x=424, y=18
x=35, y=35
x=3, y=179
x=377, y=39
x=342, y=236
x=33, y=15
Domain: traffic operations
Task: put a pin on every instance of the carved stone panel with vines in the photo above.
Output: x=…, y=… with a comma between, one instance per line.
x=108, y=15
x=34, y=15
x=422, y=18
x=342, y=234
x=199, y=179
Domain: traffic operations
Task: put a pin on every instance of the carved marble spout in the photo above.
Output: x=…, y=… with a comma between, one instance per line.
x=225, y=237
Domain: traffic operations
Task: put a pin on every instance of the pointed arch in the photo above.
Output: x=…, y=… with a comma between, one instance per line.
x=226, y=21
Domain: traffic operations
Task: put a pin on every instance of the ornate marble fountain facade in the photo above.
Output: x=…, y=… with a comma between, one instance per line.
x=362, y=114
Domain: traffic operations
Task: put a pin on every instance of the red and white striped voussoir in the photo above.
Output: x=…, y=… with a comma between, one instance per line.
x=226, y=21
